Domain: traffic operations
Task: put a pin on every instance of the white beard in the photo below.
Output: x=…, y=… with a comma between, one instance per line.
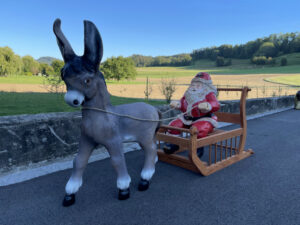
x=195, y=96
x=198, y=95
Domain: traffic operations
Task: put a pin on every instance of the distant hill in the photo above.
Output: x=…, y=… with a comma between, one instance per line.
x=47, y=59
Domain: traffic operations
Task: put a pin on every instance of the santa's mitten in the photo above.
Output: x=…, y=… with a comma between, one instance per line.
x=204, y=107
x=175, y=104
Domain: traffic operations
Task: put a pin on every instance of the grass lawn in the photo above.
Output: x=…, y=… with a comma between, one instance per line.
x=21, y=79
x=289, y=80
x=32, y=103
x=239, y=66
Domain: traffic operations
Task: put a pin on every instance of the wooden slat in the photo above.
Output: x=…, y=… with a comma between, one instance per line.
x=228, y=117
x=226, y=149
x=216, y=131
x=177, y=160
x=164, y=128
x=209, y=159
x=235, y=144
x=215, y=153
x=221, y=150
x=222, y=164
x=183, y=142
x=218, y=137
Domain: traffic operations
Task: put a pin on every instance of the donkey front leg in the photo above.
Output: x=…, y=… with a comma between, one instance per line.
x=85, y=149
x=115, y=150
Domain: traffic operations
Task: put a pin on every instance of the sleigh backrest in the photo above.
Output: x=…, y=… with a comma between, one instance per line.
x=236, y=118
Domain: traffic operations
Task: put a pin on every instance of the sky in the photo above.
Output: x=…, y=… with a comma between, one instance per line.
x=153, y=27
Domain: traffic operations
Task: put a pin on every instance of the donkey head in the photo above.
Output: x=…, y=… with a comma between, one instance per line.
x=80, y=73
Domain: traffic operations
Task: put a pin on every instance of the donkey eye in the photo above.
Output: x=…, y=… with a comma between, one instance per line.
x=87, y=81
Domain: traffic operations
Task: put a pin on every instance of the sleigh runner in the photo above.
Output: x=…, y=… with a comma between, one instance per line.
x=222, y=147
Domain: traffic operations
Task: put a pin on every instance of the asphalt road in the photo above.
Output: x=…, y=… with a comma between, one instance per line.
x=262, y=189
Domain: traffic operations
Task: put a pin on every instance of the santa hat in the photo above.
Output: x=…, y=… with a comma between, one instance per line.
x=203, y=78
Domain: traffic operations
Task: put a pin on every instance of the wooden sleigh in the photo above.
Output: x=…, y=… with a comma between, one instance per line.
x=221, y=147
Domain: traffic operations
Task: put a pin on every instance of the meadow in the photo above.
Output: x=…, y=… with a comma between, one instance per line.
x=28, y=94
x=13, y=103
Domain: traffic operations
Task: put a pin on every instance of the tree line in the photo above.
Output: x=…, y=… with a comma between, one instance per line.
x=116, y=68
x=13, y=64
x=269, y=47
x=175, y=60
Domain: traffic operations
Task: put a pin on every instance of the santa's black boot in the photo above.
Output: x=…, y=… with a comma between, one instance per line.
x=170, y=148
x=200, y=152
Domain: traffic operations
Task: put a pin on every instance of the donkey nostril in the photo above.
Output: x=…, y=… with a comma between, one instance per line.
x=75, y=102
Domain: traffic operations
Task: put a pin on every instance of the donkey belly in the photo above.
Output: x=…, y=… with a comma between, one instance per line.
x=142, y=123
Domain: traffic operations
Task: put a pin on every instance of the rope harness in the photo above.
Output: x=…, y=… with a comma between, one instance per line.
x=139, y=119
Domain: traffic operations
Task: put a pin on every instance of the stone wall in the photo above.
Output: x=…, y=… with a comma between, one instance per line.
x=29, y=139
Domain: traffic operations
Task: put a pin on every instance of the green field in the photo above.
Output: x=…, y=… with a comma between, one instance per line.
x=239, y=66
x=32, y=103
x=293, y=80
x=21, y=79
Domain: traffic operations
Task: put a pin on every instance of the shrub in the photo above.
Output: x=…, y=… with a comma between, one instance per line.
x=168, y=88
x=220, y=61
x=228, y=62
x=28, y=73
x=283, y=61
x=271, y=61
x=148, y=89
x=259, y=60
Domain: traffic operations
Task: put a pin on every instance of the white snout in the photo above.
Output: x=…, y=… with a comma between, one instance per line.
x=74, y=98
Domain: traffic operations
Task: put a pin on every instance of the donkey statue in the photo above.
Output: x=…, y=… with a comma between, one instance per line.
x=102, y=123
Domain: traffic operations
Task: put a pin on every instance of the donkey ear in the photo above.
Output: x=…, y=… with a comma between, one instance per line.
x=63, y=44
x=93, y=47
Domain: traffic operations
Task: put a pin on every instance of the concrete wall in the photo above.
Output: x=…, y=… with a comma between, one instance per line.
x=29, y=139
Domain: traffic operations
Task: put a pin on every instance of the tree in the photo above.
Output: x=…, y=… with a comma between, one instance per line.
x=220, y=61
x=167, y=88
x=119, y=68
x=53, y=82
x=148, y=89
x=283, y=61
x=226, y=51
x=46, y=69
x=9, y=62
x=57, y=65
x=30, y=66
x=267, y=49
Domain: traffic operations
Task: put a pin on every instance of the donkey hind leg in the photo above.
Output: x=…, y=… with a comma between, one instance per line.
x=115, y=150
x=79, y=164
x=149, y=165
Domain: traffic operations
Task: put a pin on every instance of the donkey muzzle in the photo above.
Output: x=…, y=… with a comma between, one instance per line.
x=74, y=98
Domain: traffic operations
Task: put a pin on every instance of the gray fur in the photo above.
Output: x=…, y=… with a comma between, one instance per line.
x=81, y=75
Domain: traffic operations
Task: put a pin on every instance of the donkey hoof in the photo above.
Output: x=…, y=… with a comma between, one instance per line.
x=124, y=194
x=143, y=185
x=69, y=200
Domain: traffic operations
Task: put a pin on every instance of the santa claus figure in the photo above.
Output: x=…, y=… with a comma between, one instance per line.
x=198, y=105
